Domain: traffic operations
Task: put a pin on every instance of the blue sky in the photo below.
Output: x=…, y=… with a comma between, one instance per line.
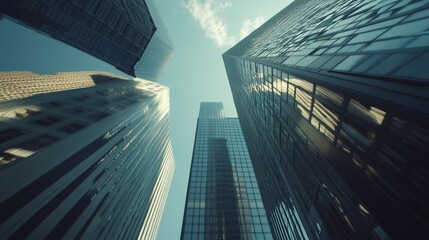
x=201, y=31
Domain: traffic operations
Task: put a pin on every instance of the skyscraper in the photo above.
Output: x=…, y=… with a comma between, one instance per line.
x=333, y=100
x=127, y=34
x=223, y=199
x=82, y=156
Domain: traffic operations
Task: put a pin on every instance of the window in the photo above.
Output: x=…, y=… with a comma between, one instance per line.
x=47, y=121
x=369, y=62
x=26, y=149
x=368, y=36
x=54, y=104
x=73, y=127
x=325, y=114
x=407, y=29
x=388, y=44
x=18, y=113
x=369, y=114
x=76, y=110
x=390, y=63
x=11, y=133
x=329, y=97
x=349, y=62
x=80, y=98
x=98, y=116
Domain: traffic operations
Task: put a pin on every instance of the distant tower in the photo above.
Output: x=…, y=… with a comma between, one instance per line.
x=83, y=155
x=127, y=34
x=334, y=103
x=223, y=200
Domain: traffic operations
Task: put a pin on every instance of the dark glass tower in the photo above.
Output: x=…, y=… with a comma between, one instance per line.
x=127, y=34
x=334, y=103
x=82, y=156
x=223, y=200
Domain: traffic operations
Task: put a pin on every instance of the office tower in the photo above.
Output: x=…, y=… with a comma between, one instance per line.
x=333, y=100
x=83, y=155
x=127, y=34
x=223, y=199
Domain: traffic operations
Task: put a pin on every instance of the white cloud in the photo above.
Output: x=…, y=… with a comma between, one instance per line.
x=248, y=26
x=208, y=15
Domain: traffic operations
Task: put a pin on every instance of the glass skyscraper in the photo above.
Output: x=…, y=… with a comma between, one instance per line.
x=127, y=34
x=83, y=155
x=334, y=103
x=223, y=199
